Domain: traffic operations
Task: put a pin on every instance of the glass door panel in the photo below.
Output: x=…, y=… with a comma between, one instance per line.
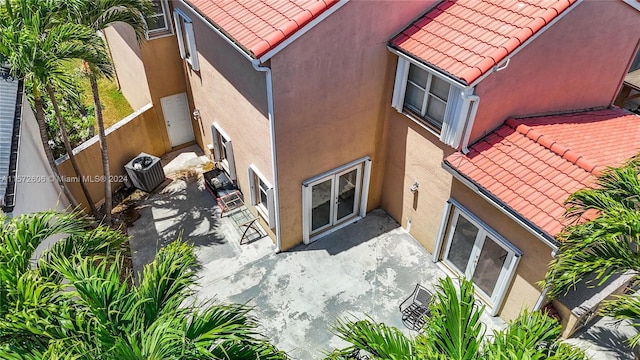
x=461, y=244
x=489, y=266
x=321, y=209
x=347, y=194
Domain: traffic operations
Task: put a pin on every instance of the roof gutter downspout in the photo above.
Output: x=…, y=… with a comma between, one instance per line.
x=472, y=102
x=539, y=234
x=272, y=129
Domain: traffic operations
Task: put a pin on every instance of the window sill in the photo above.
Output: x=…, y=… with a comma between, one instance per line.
x=421, y=123
x=262, y=211
x=157, y=34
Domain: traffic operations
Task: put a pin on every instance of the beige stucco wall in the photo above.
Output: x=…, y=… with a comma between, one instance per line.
x=147, y=72
x=128, y=63
x=578, y=63
x=331, y=89
x=125, y=140
x=229, y=91
x=523, y=291
x=415, y=154
x=38, y=190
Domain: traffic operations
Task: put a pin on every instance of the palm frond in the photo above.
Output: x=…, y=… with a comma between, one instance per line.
x=166, y=281
x=454, y=328
x=377, y=339
x=532, y=335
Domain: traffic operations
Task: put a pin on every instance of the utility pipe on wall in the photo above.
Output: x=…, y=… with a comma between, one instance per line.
x=272, y=129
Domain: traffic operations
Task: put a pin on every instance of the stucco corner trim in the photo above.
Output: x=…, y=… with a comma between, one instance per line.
x=504, y=208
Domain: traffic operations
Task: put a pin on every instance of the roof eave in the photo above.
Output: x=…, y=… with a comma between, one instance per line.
x=264, y=57
x=500, y=63
x=532, y=228
x=450, y=77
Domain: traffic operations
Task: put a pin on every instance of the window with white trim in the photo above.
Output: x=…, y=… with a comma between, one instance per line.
x=223, y=151
x=262, y=196
x=158, y=23
x=186, y=38
x=432, y=101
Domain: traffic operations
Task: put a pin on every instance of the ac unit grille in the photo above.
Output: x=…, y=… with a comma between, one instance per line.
x=148, y=175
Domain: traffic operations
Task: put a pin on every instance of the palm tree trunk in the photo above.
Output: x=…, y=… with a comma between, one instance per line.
x=103, y=149
x=44, y=137
x=67, y=146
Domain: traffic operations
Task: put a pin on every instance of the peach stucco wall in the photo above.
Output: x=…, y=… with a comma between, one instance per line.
x=523, y=291
x=147, y=72
x=128, y=62
x=415, y=154
x=331, y=88
x=229, y=91
x=125, y=140
x=578, y=63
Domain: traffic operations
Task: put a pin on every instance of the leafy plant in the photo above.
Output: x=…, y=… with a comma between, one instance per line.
x=454, y=332
x=602, y=240
x=77, y=302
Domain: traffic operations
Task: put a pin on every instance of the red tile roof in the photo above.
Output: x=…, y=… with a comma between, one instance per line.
x=466, y=38
x=258, y=25
x=533, y=164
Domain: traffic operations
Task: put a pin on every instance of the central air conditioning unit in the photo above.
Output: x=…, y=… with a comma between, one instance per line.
x=145, y=172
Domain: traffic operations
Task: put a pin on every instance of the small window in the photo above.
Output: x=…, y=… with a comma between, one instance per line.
x=426, y=96
x=158, y=23
x=262, y=196
x=433, y=101
x=186, y=38
x=223, y=151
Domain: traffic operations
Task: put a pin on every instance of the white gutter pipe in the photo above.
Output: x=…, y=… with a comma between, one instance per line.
x=272, y=129
x=258, y=67
x=475, y=99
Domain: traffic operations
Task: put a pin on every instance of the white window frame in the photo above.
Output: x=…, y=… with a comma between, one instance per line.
x=459, y=108
x=364, y=165
x=633, y=3
x=222, y=145
x=179, y=18
x=168, y=28
x=266, y=211
x=455, y=210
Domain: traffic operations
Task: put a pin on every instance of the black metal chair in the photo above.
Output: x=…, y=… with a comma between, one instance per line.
x=415, y=308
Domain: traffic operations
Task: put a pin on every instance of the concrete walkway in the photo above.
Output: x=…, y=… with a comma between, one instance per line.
x=606, y=339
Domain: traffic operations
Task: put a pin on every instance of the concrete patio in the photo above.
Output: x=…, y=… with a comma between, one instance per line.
x=367, y=268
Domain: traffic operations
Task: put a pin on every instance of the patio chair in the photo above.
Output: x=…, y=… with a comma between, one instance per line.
x=415, y=308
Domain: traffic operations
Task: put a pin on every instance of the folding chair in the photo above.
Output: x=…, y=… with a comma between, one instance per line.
x=415, y=308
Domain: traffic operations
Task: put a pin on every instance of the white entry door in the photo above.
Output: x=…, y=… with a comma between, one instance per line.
x=334, y=199
x=177, y=118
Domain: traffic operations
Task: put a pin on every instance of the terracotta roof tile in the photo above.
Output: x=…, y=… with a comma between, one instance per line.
x=533, y=164
x=490, y=29
x=259, y=25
